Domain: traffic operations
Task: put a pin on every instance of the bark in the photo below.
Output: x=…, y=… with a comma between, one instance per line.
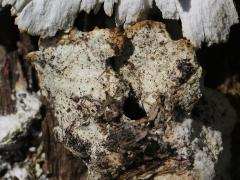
x=14, y=72
x=7, y=67
x=60, y=162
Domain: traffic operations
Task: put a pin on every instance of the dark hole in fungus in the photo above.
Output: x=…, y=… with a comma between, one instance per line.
x=152, y=148
x=132, y=109
x=111, y=63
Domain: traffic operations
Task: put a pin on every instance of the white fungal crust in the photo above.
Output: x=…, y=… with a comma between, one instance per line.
x=202, y=20
x=160, y=68
x=83, y=90
x=94, y=80
x=90, y=77
x=205, y=136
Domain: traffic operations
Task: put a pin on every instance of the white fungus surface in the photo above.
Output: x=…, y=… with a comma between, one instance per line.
x=87, y=78
x=202, y=20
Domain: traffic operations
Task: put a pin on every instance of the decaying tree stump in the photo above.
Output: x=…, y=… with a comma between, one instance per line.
x=119, y=103
x=132, y=105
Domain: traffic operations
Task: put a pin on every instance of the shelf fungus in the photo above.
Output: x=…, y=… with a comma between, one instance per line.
x=125, y=99
x=203, y=21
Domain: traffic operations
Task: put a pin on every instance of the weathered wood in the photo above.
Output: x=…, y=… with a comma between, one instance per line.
x=6, y=102
x=60, y=163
